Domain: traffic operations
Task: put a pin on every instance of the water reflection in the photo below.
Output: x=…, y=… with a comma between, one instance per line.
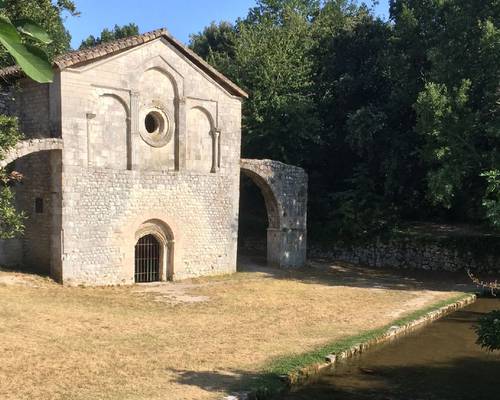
x=440, y=361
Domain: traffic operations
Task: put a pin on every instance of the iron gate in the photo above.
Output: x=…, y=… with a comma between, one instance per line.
x=147, y=260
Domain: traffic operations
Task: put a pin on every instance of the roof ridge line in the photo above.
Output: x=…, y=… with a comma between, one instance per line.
x=106, y=49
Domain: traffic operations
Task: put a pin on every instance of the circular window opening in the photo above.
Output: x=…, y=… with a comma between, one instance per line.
x=157, y=127
x=153, y=122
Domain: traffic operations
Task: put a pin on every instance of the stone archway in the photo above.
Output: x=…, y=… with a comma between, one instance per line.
x=25, y=147
x=284, y=188
x=164, y=237
x=40, y=198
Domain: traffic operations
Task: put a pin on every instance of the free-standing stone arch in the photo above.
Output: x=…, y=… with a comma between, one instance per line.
x=284, y=188
x=25, y=147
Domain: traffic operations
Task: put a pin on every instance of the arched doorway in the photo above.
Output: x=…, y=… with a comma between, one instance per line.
x=252, y=223
x=284, y=191
x=258, y=216
x=154, y=252
x=148, y=256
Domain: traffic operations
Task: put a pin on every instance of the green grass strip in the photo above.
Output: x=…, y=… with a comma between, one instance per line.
x=269, y=384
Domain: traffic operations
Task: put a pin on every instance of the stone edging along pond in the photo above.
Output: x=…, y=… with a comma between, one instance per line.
x=298, y=370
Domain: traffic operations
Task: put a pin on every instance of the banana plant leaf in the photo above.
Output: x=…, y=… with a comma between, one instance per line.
x=33, y=61
x=32, y=29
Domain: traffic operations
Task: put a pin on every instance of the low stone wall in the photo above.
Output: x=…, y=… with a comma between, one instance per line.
x=304, y=375
x=453, y=254
x=308, y=373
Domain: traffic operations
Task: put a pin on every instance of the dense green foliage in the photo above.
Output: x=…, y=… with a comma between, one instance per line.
x=488, y=331
x=24, y=41
x=393, y=120
x=11, y=221
x=108, y=35
x=48, y=15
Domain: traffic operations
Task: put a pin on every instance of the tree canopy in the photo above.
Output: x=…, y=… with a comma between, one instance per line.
x=48, y=15
x=108, y=35
x=393, y=120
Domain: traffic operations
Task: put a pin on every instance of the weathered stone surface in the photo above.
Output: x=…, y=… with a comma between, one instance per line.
x=284, y=188
x=152, y=140
x=409, y=254
x=30, y=146
x=119, y=177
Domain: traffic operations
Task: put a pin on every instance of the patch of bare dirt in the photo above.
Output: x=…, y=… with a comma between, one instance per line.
x=174, y=293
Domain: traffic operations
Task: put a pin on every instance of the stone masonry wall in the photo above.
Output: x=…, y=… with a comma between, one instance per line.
x=104, y=209
x=117, y=178
x=31, y=103
x=409, y=253
x=284, y=188
x=113, y=176
x=38, y=172
x=33, y=109
x=7, y=102
x=35, y=106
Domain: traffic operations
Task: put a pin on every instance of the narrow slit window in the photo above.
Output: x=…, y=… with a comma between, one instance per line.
x=39, y=205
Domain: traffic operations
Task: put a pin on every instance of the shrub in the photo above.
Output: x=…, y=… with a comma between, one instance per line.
x=488, y=331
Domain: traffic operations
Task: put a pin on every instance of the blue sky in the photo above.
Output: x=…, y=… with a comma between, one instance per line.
x=180, y=17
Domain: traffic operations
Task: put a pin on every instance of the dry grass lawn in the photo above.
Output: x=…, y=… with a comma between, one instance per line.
x=190, y=340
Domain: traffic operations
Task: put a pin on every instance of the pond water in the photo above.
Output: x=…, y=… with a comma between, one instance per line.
x=440, y=361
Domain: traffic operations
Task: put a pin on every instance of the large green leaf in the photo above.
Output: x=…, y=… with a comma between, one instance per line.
x=32, y=29
x=33, y=61
x=8, y=31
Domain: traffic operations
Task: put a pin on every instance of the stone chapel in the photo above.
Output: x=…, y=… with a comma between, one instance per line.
x=131, y=165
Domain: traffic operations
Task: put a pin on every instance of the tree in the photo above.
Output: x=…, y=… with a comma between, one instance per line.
x=267, y=54
x=11, y=221
x=44, y=35
x=458, y=110
x=277, y=10
x=214, y=39
x=107, y=35
x=353, y=96
x=393, y=120
x=273, y=64
x=488, y=331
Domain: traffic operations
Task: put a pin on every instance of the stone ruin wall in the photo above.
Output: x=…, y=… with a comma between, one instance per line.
x=410, y=254
x=284, y=188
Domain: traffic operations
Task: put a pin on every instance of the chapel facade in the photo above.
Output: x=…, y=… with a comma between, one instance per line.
x=131, y=168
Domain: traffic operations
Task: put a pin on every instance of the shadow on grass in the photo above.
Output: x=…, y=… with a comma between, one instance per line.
x=344, y=274
x=263, y=386
x=44, y=273
x=462, y=379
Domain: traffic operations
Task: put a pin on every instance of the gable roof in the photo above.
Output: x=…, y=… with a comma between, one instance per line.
x=85, y=56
